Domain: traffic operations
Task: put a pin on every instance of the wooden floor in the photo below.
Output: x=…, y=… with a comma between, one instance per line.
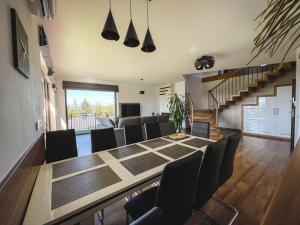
x=259, y=164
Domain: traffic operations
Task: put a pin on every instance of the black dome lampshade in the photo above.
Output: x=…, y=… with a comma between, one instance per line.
x=148, y=44
x=110, y=31
x=131, y=39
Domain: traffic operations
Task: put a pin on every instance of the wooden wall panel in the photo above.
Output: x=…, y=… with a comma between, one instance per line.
x=16, y=188
x=285, y=205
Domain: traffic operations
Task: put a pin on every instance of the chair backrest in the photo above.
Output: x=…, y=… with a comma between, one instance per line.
x=103, y=139
x=104, y=122
x=163, y=118
x=152, y=130
x=208, y=182
x=129, y=121
x=167, y=128
x=176, y=193
x=201, y=129
x=60, y=145
x=148, y=119
x=133, y=134
x=120, y=136
x=228, y=158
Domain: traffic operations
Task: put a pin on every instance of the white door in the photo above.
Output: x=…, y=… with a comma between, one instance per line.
x=266, y=117
x=283, y=111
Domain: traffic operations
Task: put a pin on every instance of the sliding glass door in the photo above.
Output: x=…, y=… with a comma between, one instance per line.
x=88, y=109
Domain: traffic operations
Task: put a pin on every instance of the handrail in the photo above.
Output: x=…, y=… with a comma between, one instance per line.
x=242, y=79
x=214, y=108
x=241, y=72
x=191, y=103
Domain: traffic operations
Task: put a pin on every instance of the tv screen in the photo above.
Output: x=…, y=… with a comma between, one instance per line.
x=130, y=109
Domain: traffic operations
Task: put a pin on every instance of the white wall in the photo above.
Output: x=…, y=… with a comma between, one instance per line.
x=199, y=91
x=179, y=88
x=297, y=123
x=128, y=93
x=21, y=99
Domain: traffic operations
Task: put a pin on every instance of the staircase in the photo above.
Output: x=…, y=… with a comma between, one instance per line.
x=204, y=116
x=233, y=88
x=243, y=82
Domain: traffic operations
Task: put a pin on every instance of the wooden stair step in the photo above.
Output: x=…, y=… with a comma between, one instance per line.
x=208, y=116
x=230, y=102
x=216, y=137
x=252, y=87
x=236, y=97
x=223, y=106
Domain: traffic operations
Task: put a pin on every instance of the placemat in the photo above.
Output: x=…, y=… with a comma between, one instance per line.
x=196, y=142
x=176, y=151
x=155, y=143
x=72, y=188
x=75, y=165
x=127, y=151
x=143, y=163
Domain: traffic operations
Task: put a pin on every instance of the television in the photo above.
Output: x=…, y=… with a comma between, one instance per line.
x=130, y=109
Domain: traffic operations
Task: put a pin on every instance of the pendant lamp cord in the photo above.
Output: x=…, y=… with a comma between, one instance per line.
x=109, y=4
x=148, y=13
x=130, y=11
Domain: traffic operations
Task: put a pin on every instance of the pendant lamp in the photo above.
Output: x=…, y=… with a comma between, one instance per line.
x=110, y=31
x=131, y=39
x=148, y=44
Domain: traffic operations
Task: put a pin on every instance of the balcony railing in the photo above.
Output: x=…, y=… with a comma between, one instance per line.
x=87, y=121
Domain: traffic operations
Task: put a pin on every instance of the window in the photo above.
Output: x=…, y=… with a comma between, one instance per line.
x=88, y=109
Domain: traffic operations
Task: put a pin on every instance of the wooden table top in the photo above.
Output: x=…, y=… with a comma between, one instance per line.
x=69, y=188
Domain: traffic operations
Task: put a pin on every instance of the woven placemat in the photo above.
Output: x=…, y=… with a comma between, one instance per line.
x=156, y=143
x=176, y=151
x=127, y=151
x=73, y=188
x=196, y=142
x=75, y=165
x=143, y=163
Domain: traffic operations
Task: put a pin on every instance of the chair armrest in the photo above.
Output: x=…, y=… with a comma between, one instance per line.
x=153, y=216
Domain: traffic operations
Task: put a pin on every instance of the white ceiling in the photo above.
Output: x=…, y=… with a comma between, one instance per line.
x=183, y=30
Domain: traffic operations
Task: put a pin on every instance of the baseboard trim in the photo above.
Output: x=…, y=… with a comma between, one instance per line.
x=267, y=136
x=17, y=186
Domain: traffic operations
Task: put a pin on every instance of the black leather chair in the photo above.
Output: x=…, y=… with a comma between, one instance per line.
x=152, y=130
x=176, y=194
x=228, y=159
x=133, y=134
x=167, y=128
x=155, y=216
x=209, y=176
x=103, y=139
x=201, y=129
x=60, y=145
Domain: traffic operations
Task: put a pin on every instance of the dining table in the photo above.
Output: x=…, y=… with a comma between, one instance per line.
x=67, y=191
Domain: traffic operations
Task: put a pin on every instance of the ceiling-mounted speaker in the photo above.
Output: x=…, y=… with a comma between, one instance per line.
x=205, y=62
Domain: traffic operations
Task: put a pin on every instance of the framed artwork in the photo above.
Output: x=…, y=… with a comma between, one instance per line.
x=20, y=45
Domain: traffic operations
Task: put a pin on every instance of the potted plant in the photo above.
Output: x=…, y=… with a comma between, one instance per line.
x=177, y=111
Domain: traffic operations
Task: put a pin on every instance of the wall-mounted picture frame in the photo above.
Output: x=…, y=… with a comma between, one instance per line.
x=20, y=45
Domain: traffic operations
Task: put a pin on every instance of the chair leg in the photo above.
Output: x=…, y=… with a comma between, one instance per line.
x=236, y=212
x=127, y=218
x=101, y=216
